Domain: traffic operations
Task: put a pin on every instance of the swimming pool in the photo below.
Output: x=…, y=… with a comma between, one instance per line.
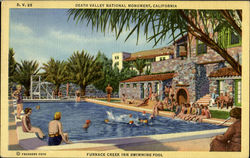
x=75, y=114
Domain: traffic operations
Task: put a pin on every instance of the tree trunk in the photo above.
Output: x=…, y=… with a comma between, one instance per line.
x=27, y=93
x=82, y=92
x=57, y=90
x=199, y=34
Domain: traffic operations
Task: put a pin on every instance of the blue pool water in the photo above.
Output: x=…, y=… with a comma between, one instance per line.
x=74, y=116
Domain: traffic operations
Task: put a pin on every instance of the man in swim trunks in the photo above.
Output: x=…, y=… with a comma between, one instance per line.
x=56, y=135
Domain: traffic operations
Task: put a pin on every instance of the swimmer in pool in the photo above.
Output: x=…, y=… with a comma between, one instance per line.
x=131, y=122
x=106, y=121
x=87, y=124
x=145, y=121
x=38, y=107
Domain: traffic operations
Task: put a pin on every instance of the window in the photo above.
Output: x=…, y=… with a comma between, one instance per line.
x=116, y=57
x=237, y=92
x=234, y=39
x=201, y=48
x=121, y=85
x=128, y=85
x=162, y=58
x=178, y=51
x=228, y=38
x=134, y=85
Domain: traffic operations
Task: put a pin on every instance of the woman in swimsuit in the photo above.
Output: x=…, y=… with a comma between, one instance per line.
x=56, y=135
x=26, y=124
x=78, y=96
x=231, y=139
x=19, y=96
x=205, y=114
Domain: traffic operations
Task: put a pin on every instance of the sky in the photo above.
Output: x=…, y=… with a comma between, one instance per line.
x=41, y=34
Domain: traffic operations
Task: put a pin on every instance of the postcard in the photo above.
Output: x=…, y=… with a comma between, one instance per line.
x=96, y=79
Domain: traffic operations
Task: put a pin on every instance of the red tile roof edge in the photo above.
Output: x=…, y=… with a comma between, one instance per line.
x=148, y=56
x=157, y=77
x=224, y=72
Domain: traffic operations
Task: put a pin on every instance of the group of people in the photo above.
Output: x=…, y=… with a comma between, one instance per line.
x=129, y=119
x=195, y=112
x=224, y=100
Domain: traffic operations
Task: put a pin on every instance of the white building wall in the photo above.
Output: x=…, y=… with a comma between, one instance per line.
x=160, y=58
x=118, y=58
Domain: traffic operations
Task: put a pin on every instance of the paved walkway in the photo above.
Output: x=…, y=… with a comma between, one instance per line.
x=13, y=140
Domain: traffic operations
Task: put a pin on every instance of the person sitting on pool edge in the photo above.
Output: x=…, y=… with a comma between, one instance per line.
x=158, y=106
x=132, y=101
x=26, y=124
x=231, y=139
x=144, y=102
x=124, y=98
x=56, y=135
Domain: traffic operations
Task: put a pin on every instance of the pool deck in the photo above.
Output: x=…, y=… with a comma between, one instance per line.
x=188, y=141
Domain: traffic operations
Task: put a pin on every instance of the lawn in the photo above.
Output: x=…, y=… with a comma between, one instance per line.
x=112, y=100
x=214, y=113
x=219, y=114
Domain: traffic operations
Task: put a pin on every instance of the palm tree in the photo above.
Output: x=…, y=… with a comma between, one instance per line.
x=55, y=72
x=24, y=72
x=84, y=70
x=140, y=64
x=198, y=23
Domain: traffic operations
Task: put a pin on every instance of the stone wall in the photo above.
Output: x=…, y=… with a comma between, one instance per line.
x=186, y=76
x=202, y=81
x=166, y=65
x=131, y=91
x=136, y=91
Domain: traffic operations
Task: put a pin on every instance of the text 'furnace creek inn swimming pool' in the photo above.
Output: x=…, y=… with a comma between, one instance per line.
x=193, y=69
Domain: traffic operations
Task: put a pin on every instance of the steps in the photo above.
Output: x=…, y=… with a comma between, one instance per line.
x=204, y=100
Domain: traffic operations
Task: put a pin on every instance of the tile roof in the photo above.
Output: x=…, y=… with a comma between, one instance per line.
x=148, y=56
x=159, y=77
x=224, y=72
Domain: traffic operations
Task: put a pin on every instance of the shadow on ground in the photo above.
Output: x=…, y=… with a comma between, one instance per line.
x=136, y=144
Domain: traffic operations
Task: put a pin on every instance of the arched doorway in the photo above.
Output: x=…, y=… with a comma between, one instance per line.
x=182, y=96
